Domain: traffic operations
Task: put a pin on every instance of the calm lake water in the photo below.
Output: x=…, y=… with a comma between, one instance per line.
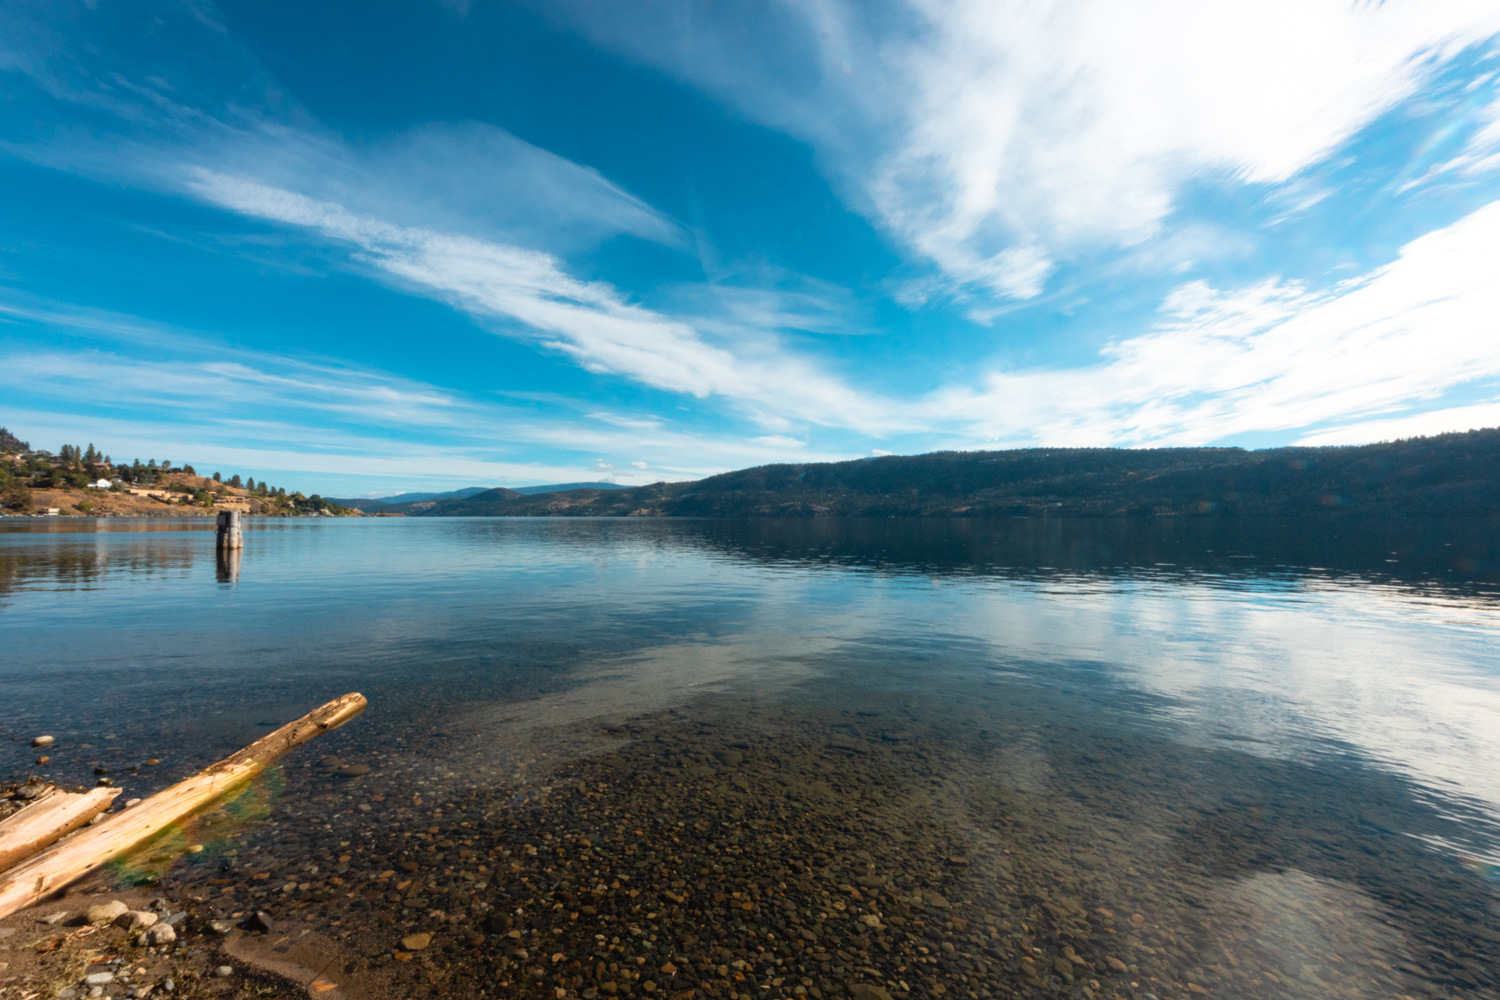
x=972, y=758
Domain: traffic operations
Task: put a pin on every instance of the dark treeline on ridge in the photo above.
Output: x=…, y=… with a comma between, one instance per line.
x=1451, y=475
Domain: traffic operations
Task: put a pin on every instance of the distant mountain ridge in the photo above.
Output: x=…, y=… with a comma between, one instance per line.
x=402, y=503
x=563, y=487
x=1446, y=475
x=378, y=504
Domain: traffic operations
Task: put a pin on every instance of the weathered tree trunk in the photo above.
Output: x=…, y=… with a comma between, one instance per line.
x=49, y=818
x=32, y=881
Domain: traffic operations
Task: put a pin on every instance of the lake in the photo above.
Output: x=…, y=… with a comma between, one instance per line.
x=768, y=758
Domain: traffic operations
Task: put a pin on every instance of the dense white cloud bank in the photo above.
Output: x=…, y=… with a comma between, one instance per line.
x=995, y=137
x=1050, y=125
x=1272, y=357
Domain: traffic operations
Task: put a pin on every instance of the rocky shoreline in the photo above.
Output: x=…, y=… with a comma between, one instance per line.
x=749, y=850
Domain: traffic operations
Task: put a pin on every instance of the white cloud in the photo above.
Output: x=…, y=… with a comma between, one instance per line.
x=1481, y=154
x=993, y=136
x=637, y=423
x=780, y=441
x=236, y=387
x=589, y=321
x=1271, y=357
x=776, y=301
x=1440, y=421
x=462, y=177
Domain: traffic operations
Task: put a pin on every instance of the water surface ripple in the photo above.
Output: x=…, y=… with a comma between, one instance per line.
x=774, y=758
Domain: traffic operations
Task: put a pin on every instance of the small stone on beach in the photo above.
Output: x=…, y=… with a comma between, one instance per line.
x=136, y=919
x=105, y=913
x=160, y=934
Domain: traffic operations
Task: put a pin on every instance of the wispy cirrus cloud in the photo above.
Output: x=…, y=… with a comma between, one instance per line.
x=236, y=387
x=323, y=460
x=461, y=177
x=591, y=322
x=260, y=412
x=171, y=89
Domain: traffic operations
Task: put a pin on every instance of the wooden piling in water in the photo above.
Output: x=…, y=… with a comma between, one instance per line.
x=229, y=537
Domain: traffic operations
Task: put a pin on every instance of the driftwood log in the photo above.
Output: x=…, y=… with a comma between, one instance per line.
x=32, y=881
x=50, y=817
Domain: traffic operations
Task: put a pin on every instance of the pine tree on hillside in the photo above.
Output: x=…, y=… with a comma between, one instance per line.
x=9, y=442
x=14, y=493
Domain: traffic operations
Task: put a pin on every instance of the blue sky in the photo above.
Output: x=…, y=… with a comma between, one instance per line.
x=374, y=247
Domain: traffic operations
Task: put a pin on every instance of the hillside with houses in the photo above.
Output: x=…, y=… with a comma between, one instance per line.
x=81, y=481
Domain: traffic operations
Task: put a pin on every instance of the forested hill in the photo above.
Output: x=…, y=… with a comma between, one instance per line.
x=1448, y=475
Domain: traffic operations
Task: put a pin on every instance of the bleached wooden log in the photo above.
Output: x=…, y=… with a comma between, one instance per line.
x=50, y=817
x=33, y=880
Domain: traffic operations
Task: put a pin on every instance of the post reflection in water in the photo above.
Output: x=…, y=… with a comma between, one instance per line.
x=989, y=758
x=227, y=562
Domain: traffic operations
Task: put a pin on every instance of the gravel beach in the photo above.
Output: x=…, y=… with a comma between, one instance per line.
x=993, y=845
